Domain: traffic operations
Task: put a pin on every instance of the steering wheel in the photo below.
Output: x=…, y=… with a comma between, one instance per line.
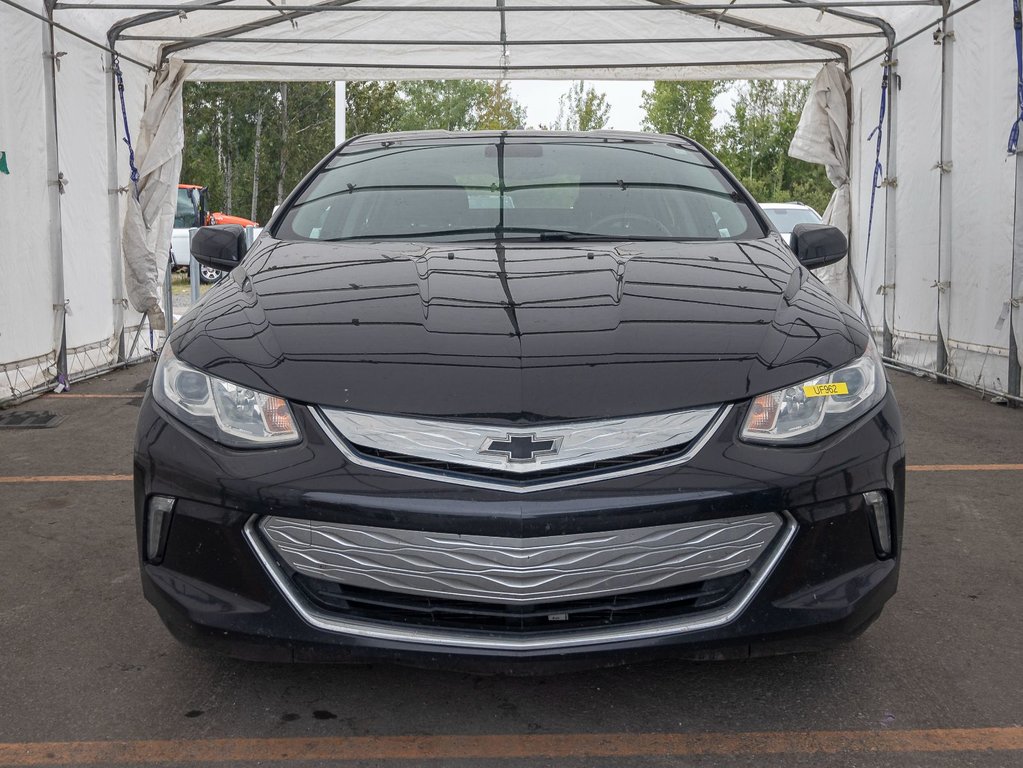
x=625, y=218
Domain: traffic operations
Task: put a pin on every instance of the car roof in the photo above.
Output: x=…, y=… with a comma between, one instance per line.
x=786, y=206
x=531, y=133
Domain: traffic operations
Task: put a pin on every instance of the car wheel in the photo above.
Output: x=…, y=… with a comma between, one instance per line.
x=210, y=275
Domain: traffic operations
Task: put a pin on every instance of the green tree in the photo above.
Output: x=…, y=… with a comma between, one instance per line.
x=452, y=105
x=372, y=107
x=684, y=107
x=500, y=112
x=296, y=129
x=582, y=109
x=754, y=144
x=251, y=143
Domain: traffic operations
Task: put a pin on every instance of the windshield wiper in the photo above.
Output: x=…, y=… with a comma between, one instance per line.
x=411, y=236
x=622, y=238
x=512, y=233
x=555, y=234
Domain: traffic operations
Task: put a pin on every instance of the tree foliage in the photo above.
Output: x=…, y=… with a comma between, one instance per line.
x=220, y=140
x=685, y=107
x=754, y=140
x=582, y=109
x=296, y=129
x=754, y=144
x=294, y=123
x=501, y=112
x=372, y=107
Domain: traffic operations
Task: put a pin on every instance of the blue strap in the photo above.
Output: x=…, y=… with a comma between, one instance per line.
x=127, y=131
x=1017, y=23
x=877, y=134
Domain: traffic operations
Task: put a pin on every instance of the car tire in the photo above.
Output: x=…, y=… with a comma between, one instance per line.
x=210, y=275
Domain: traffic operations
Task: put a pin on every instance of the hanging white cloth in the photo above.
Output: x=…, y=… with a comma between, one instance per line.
x=822, y=137
x=149, y=221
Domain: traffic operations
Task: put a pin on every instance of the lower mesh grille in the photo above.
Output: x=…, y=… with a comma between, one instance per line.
x=539, y=570
x=613, y=610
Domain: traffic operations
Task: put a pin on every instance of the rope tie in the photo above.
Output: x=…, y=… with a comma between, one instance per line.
x=127, y=130
x=878, y=181
x=1017, y=23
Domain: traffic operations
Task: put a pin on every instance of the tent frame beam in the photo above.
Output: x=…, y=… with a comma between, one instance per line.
x=770, y=33
x=734, y=21
x=230, y=38
x=223, y=5
x=269, y=21
x=714, y=11
x=499, y=68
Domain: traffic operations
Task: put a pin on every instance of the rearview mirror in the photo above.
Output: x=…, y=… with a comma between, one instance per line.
x=220, y=246
x=818, y=245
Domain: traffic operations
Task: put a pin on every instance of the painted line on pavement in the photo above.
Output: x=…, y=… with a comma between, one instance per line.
x=72, y=395
x=964, y=468
x=510, y=747
x=15, y=479
x=23, y=479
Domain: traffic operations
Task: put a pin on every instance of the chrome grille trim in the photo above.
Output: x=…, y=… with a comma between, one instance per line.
x=581, y=442
x=507, y=642
x=717, y=416
x=490, y=569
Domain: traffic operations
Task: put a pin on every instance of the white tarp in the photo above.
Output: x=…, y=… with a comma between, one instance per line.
x=29, y=331
x=822, y=137
x=89, y=272
x=907, y=291
x=149, y=221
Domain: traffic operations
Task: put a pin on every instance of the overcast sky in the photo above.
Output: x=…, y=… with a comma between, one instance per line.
x=540, y=98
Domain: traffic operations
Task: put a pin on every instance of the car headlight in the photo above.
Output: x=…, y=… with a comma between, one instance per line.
x=814, y=409
x=225, y=412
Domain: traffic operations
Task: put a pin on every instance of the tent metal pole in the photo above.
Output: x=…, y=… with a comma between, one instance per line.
x=114, y=208
x=890, y=218
x=340, y=112
x=170, y=10
x=887, y=29
x=504, y=45
x=176, y=45
x=1016, y=282
x=230, y=34
x=227, y=37
x=734, y=21
x=498, y=68
x=157, y=15
x=944, y=167
x=900, y=365
x=55, y=180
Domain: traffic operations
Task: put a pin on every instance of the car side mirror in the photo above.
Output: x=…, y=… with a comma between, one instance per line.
x=818, y=245
x=220, y=246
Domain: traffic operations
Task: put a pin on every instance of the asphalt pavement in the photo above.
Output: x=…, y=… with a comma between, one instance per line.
x=89, y=676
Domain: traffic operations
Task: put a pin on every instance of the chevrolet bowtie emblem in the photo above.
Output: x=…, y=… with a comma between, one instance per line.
x=521, y=447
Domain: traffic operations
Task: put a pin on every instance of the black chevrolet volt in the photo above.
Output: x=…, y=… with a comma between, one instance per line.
x=516, y=400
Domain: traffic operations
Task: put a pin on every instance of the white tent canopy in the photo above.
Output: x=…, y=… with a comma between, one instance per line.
x=941, y=281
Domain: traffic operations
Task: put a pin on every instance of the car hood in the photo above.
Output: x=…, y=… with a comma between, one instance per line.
x=518, y=332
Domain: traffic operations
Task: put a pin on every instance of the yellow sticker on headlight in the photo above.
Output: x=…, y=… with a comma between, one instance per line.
x=824, y=390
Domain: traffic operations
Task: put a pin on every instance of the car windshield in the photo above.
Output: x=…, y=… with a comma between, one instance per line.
x=519, y=187
x=787, y=218
x=185, y=213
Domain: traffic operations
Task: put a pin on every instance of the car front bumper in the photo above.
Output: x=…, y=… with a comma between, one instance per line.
x=220, y=583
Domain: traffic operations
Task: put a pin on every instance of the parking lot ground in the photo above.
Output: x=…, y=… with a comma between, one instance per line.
x=89, y=676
